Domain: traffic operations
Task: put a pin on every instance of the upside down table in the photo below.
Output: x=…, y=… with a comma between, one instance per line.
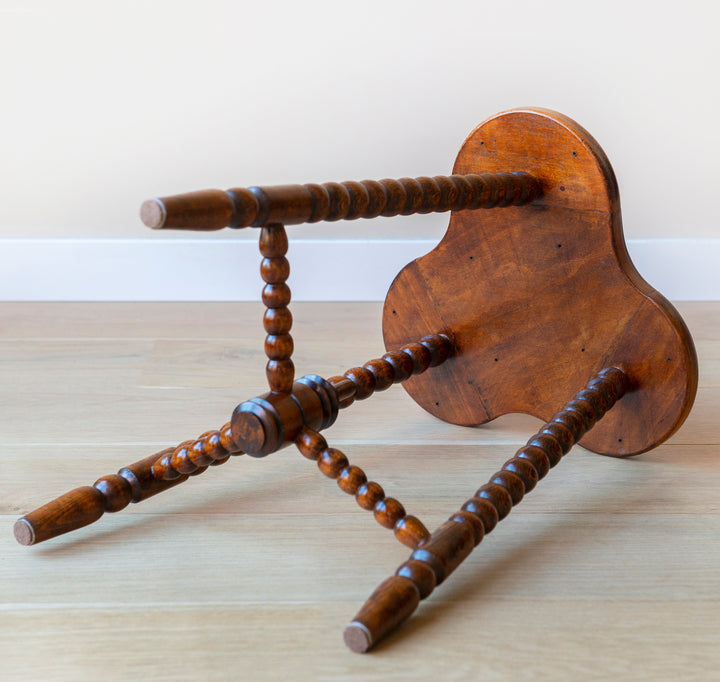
x=533, y=307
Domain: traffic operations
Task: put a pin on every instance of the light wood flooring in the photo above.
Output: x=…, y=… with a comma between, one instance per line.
x=609, y=569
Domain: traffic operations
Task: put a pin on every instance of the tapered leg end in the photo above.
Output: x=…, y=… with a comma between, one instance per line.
x=389, y=606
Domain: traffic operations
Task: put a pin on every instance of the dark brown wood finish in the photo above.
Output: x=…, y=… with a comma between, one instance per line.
x=277, y=321
x=258, y=427
x=539, y=297
x=437, y=557
x=521, y=307
x=370, y=495
x=192, y=457
x=274, y=420
x=294, y=204
x=360, y=383
x=394, y=367
x=82, y=506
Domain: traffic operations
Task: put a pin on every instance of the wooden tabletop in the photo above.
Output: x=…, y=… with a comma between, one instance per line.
x=607, y=570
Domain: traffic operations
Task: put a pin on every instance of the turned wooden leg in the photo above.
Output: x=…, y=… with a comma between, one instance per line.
x=133, y=483
x=436, y=558
x=295, y=204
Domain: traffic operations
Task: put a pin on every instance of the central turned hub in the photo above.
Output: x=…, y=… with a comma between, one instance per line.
x=248, y=429
x=273, y=421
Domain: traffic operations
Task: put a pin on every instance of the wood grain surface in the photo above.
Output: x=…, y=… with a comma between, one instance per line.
x=539, y=298
x=251, y=571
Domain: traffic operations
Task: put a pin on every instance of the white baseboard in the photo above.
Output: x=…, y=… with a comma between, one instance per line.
x=322, y=269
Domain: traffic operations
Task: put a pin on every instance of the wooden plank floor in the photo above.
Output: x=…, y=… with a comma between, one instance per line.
x=608, y=570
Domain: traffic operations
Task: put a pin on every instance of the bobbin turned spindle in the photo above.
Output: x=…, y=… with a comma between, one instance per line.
x=511, y=312
x=275, y=270
x=369, y=495
x=440, y=554
x=331, y=201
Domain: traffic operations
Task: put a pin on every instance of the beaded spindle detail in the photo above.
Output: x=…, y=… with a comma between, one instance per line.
x=192, y=457
x=369, y=495
x=331, y=201
x=277, y=320
x=371, y=198
x=430, y=564
x=394, y=367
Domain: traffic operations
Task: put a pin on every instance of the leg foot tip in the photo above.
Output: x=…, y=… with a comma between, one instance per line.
x=357, y=637
x=24, y=533
x=153, y=213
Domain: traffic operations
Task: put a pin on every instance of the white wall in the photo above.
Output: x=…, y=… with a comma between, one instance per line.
x=107, y=103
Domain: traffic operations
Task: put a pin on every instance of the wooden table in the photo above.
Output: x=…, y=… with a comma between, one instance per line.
x=251, y=571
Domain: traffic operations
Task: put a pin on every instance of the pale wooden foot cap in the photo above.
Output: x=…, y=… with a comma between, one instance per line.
x=357, y=637
x=24, y=532
x=153, y=214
